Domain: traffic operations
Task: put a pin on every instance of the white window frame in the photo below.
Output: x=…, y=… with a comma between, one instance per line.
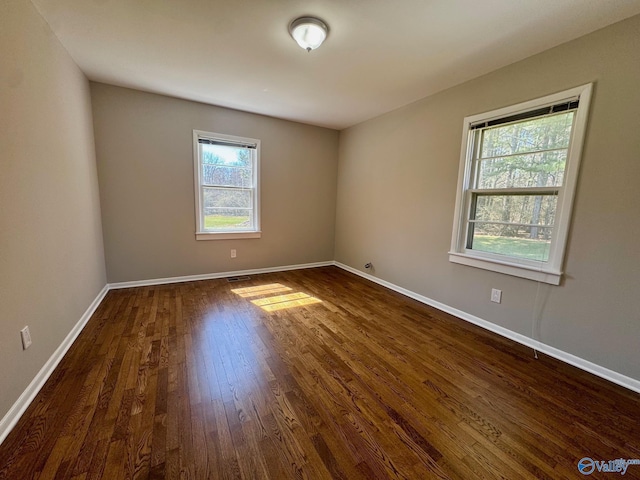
x=201, y=232
x=549, y=271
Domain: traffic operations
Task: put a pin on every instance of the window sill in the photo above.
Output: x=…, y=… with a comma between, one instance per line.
x=226, y=235
x=523, y=271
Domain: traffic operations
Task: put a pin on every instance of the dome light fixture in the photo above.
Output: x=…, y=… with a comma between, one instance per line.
x=308, y=32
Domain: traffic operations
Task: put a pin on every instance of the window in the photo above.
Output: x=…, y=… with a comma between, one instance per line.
x=516, y=184
x=226, y=177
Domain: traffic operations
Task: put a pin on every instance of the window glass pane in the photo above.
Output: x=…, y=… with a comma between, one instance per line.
x=226, y=209
x=226, y=155
x=541, y=169
x=543, y=133
x=226, y=197
x=228, y=219
x=213, y=174
x=523, y=209
x=531, y=243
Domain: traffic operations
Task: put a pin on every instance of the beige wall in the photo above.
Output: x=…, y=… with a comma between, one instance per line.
x=145, y=163
x=51, y=255
x=397, y=186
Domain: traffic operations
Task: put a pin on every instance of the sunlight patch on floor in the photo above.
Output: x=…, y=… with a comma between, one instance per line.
x=306, y=300
x=275, y=302
x=261, y=290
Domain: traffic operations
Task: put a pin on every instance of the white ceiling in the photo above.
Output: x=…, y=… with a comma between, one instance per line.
x=380, y=54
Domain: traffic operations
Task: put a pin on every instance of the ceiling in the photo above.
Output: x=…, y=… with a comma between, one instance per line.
x=379, y=55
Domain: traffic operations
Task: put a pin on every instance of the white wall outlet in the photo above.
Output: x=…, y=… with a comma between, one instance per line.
x=233, y=253
x=496, y=295
x=26, y=338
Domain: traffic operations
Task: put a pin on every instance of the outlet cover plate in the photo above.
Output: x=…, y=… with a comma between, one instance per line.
x=496, y=295
x=26, y=337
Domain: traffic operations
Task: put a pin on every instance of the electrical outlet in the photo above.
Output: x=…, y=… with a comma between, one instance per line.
x=26, y=338
x=233, y=253
x=496, y=295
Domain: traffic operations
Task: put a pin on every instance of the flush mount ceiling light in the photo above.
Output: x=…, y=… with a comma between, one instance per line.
x=308, y=32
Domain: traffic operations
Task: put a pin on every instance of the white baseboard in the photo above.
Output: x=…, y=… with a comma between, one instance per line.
x=209, y=276
x=15, y=412
x=610, y=375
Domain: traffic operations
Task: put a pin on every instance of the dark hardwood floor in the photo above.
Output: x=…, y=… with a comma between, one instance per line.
x=310, y=374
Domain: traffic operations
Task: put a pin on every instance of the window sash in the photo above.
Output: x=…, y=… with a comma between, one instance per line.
x=529, y=152
x=472, y=221
x=516, y=191
x=220, y=186
x=205, y=211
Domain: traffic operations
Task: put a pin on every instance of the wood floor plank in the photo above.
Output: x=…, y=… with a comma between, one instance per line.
x=309, y=374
